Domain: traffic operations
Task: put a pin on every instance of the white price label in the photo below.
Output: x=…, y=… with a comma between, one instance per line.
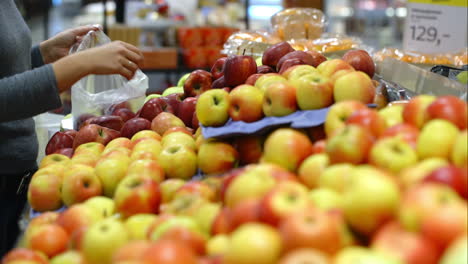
x=436, y=26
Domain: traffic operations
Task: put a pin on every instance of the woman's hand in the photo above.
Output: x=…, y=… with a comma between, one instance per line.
x=59, y=46
x=114, y=58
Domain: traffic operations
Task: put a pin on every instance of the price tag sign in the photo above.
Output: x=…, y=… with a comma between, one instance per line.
x=436, y=26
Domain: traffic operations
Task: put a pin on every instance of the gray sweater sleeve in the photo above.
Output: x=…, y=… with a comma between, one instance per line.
x=36, y=57
x=29, y=93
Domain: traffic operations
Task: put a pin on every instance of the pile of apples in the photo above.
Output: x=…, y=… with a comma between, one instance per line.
x=369, y=186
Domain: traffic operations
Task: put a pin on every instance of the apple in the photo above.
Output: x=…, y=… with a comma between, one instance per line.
x=222, y=222
x=50, y=239
x=140, y=135
x=109, y=121
x=173, y=90
x=415, y=111
x=132, y=251
x=302, y=56
x=415, y=174
x=217, y=245
x=169, y=251
x=392, y=154
x=450, y=108
x=65, y=151
x=212, y=108
x=250, y=148
x=297, y=71
x=436, y=139
x=187, y=110
x=147, y=168
x=248, y=185
x=103, y=239
x=253, y=78
x=405, y=132
x=58, y=141
x=94, y=133
x=452, y=176
x=218, y=67
x=336, y=177
x=264, y=69
x=393, y=114
x=69, y=257
x=319, y=146
x=178, y=138
x=24, y=254
x=137, y=225
x=198, y=82
x=124, y=113
x=120, y=142
x=339, y=113
x=137, y=194
x=362, y=255
x=459, y=153
x=246, y=103
x=313, y=91
x=311, y=228
x=190, y=238
x=101, y=204
x=205, y=216
x=80, y=182
x=290, y=63
x=361, y=61
x=227, y=178
x=305, y=255
x=311, y=168
x=82, y=118
x=326, y=199
x=254, y=237
x=286, y=142
x=185, y=130
x=178, y=162
x=318, y=57
x=412, y=248
x=154, y=107
x=268, y=78
x=173, y=222
x=354, y=85
x=44, y=192
x=151, y=96
x=164, y=121
x=371, y=199
x=279, y=99
x=196, y=188
x=238, y=68
x=351, y=144
x=456, y=252
x=54, y=159
x=246, y=211
x=329, y=67
x=283, y=200
x=169, y=187
x=150, y=146
x=273, y=54
x=110, y=172
x=369, y=119
x=219, y=83
x=217, y=157
x=182, y=80
x=95, y=148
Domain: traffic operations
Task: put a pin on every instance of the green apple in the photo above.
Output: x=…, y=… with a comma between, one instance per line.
x=370, y=199
x=336, y=177
x=436, y=139
x=151, y=96
x=182, y=80
x=212, y=107
x=311, y=168
x=313, y=91
x=456, y=253
x=393, y=154
x=178, y=161
x=258, y=61
x=217, y=245
x=173, y=90
x=254, y=238
x=102, y=205
x=248, y=185
x=459, y=154
x=326, y=199
x=102, y=239
x=68, y=257
x=137, y=225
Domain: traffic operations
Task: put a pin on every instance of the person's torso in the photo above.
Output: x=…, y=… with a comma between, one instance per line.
x=18, y=142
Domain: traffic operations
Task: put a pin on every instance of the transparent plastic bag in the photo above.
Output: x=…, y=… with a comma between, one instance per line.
x=95, y=94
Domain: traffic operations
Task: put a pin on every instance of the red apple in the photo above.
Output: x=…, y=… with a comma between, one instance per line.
x=122, y=105
x=189, y=238
x=197, y=83
x=370, y=120
x=112, y=122
x=303, y=56
x=124, y=113
x=318, y=57
x=250, y=148
x=361, y=61
x=169, y=251
x=82, y=118
x=217, y=69
x=95, y=133
x=319, y=146
x=338, y=113
x=173, y=102
x=456, y=178
x=132, y=251
x=133, y=126
x=286, y=64
x=415, y=111
x=264, y=69
x=164, y=121
x=450, y=108
x=50, y=239
x=154, y=107
x=219, y=83
x=253, y=78
x=187, y=110
x=351, y=144
x=238, y=68
x=66, y=151
x=71, y=132
x=273, y=54
x=76, y=217
x=222, y=222
x=24, y=254
x=244, y=212
x=58, y=141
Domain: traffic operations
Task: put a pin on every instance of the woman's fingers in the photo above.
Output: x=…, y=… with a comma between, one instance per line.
x=134, y=49
x=133, y=57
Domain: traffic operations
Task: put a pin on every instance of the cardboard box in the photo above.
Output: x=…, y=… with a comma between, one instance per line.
x=159, y=58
